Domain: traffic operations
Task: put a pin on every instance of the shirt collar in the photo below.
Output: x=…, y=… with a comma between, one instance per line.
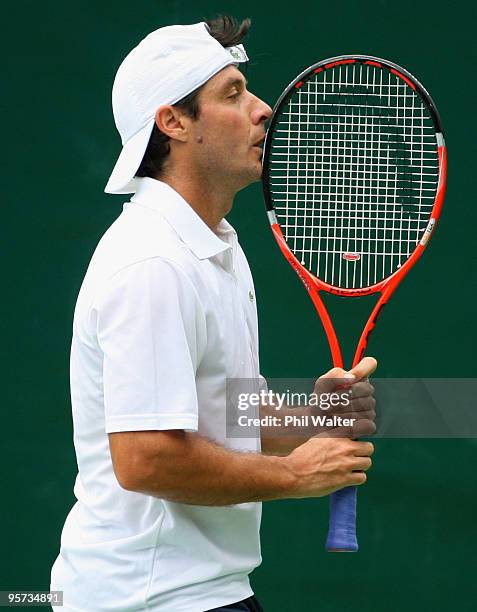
x=201, y=240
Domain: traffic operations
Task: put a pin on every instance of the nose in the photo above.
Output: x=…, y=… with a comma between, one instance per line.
x=261, y=111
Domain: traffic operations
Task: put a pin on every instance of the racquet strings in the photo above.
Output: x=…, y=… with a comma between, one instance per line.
x=353, y=173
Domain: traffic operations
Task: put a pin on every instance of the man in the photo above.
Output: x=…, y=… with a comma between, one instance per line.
x=167, y=517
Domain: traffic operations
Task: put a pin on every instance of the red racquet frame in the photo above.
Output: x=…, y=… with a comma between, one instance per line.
x=386, y=287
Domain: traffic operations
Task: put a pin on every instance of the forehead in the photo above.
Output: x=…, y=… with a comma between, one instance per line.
x=227, y=77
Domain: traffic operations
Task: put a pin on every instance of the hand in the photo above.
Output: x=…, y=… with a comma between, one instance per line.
x=323, y=465
x=347, y=401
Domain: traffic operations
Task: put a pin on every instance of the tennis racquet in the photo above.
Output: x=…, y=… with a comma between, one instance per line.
x=354, y=174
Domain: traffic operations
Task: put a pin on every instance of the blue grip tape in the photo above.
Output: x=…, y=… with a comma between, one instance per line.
x=342, y=530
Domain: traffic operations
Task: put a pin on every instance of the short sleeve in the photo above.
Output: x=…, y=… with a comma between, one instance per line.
x=151, y=331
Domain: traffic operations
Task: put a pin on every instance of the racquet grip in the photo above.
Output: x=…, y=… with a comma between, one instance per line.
x=342, y=529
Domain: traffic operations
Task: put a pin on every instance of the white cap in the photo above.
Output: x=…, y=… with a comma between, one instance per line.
x=166, y=66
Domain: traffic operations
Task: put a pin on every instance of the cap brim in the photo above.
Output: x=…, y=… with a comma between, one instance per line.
x=122, y=176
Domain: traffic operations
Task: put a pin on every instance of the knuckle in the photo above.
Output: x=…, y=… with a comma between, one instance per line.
x=367, y=404
x=359, y=403
x=369, y=415
x=371, y=427
x=343, y=444
x=363, y=403
x=336, y=373
x=350, y=443
x=349, y=464
x=363, y=427
x=350, y=434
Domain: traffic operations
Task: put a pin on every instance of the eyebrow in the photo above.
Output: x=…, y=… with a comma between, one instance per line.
x=234, y=81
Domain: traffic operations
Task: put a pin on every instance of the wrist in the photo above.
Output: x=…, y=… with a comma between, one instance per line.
x=289, y=477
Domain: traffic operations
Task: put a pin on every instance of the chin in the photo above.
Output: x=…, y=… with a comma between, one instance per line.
x=250, y=180
x=257, y=171
x=253, y=175
x=256, y=175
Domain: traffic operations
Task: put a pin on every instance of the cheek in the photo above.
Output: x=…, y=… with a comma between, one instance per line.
x=227, y=129
x=236, y=133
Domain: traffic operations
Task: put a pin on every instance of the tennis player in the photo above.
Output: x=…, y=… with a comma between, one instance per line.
x=168, y=509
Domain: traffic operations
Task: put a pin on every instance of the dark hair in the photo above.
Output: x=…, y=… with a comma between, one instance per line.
x=227, y=31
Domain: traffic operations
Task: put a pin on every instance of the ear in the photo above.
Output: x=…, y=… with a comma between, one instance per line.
x=172, y=122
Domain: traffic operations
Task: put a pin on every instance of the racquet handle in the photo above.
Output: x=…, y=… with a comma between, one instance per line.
x=342, y=529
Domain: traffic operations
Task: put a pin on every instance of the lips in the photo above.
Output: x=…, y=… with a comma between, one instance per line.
x=259, y=149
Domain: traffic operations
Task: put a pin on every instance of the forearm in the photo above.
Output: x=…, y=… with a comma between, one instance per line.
x=193, y=470
x=279, y=439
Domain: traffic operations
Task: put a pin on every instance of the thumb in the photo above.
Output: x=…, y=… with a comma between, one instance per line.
x=334, y=373
x=331, y=380
x=364, y=368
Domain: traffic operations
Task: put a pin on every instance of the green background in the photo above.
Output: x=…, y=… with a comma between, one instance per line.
x=418, y=512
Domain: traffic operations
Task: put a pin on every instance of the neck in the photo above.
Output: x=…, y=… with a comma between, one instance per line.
x=209, y=198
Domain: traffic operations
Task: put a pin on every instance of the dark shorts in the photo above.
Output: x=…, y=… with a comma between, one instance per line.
x=251, y=604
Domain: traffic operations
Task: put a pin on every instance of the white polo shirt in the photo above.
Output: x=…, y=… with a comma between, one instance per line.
x=165, y=314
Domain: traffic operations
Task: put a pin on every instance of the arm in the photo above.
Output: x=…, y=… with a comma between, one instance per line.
x=187, y=468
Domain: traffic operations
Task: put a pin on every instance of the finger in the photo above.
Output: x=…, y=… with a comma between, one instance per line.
x=362, y=404
x=362, y=389
x=332, y=402
x=364, y=368
x=357, y=428
x=363, y=449
x=363, y=427
x=358, y=478
x=351, y=427
x=358, y=416
x=362, y=463
x=337, y=432
x=334, y=373
x=331, y=380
